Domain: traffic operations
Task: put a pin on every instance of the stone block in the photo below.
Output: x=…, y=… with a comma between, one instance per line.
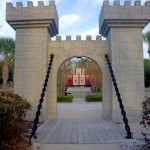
x=147, y=3
x=68, y=38
x=117, y=2
x=78, y=38
x=29, y=4
x=127, y=3
x=88, y=37
x=58, y=38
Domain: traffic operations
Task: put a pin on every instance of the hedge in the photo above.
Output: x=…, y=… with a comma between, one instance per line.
x=94, y=98
x=65, y=99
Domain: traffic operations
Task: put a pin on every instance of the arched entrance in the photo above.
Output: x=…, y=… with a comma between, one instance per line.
x=78, y=80
x=95, y=50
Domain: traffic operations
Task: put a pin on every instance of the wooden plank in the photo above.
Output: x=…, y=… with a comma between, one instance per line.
x=45, y=130
x=83, y=131
x=61, y=132
x=80, y=132
x=87, y=138
x=52, y=135
x=101, y=133
x=67, y=137
x=74, y=132
x=93, y=136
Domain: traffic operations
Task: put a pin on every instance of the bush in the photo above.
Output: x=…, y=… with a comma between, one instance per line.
x=146, y=119
x=147, y=72
x=13, y=110
x=94, y=98
x=67, y=98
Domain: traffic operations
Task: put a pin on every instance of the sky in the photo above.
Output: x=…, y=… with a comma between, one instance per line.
x=76, y=17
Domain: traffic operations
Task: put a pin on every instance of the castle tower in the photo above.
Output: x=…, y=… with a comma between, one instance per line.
x=122, y=26
x=34, y=26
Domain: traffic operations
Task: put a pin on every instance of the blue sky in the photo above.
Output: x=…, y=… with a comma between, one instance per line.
x=76, y=17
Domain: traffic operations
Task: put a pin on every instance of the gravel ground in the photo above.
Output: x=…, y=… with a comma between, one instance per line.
x=137, y=141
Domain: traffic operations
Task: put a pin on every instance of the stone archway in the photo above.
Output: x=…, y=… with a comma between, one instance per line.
x=122, y=27
x=63, y=50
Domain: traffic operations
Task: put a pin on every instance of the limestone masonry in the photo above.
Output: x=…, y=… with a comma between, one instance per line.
x=121, y=25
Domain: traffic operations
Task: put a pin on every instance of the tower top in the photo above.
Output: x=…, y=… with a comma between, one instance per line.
x=123, y=16
x=40, y=16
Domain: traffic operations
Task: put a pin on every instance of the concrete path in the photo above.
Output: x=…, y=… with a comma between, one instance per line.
x=78, y=147
x=79, y=109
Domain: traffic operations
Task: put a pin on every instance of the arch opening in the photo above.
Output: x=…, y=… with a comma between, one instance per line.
x=79, y=89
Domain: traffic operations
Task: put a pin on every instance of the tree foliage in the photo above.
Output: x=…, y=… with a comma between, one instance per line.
x=147, y=72
x=146, y=123
x=94, y=71
x=91, y=68
x=7, y=49
x=64, y=69
x=146, y=37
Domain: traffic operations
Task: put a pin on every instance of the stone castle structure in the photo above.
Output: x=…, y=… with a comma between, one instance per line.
x=121, y=25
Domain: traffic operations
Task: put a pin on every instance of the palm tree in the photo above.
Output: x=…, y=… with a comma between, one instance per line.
x=146, y=37
x=7, y=49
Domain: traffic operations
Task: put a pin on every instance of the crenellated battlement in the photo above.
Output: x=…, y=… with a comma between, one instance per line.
x=126, y=15
x=33, y=16
x=126, y=3
x=79, y=38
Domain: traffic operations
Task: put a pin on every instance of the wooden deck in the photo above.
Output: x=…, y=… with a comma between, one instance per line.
x=83, y=131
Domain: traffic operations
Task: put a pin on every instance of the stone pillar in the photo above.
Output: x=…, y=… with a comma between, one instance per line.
x=122, y=26
x=34, y=26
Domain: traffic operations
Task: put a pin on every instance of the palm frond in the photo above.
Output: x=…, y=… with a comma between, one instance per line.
x=7, y=46
x=146, y=37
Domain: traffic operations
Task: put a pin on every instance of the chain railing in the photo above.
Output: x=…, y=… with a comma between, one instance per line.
x=36, y=120
x=125, y=120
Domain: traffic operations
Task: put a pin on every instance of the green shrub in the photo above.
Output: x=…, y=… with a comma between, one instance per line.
x=67, y=98
x=13, y=109
x=70, y=96
x=94, y=98
x=146, y=123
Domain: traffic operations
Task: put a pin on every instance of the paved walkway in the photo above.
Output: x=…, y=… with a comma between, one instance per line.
x=79, y=109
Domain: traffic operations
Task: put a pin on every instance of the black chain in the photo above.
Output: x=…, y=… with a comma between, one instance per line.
x=36, y=120
x=125, y=120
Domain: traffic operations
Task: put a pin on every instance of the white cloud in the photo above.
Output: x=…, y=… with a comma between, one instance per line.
x=68, y=20
x=46, y=2
x=93, y=32
x=58, y=1
x=90, y=1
